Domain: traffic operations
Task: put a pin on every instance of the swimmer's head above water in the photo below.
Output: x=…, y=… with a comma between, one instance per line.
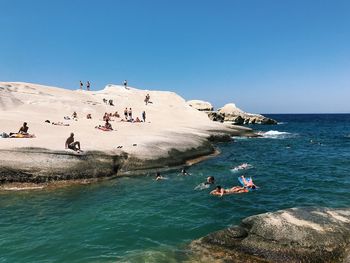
x=210, y=180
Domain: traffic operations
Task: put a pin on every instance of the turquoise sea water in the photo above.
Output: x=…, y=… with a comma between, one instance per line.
x=143, y=220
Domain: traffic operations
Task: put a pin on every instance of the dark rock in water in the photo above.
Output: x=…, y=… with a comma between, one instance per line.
x=215, y=116
x=291, y=235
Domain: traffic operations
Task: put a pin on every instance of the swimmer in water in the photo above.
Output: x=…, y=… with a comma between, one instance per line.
x=248, y=183
x=237, y=189
x=219, y=191
x=159, y=177
x=242, y=166
x=184, y=172
x=210, y=180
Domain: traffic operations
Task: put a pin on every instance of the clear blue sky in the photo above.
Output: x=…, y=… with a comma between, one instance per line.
x=267, y=56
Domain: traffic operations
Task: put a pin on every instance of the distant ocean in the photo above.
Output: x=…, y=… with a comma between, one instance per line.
x=302, y=161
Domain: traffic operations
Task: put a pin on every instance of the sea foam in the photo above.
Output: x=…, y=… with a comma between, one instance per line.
x=272, y=134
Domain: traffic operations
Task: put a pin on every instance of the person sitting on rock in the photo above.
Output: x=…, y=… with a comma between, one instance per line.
x=111, y=102
x=137, y=120
x=147, y=98
x=71, y=144
x=116, y=114
x=108, y=126
x=106, y=117
x=24, y=129
x=88, y=116
x=75, y=115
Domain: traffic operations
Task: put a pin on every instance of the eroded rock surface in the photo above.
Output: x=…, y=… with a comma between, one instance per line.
x=200, y=105
x=291, y=235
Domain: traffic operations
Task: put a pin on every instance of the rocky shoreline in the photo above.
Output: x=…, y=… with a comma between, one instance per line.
x=230, y=113
x=310, y=234
x=40, y=166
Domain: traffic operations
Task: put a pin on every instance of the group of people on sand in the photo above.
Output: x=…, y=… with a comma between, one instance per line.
x=108, y=102
x=129, y=117
x=87, y=85
x=22, y=133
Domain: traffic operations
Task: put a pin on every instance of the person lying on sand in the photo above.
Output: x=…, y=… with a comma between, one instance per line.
x=60, y=123
x=106, y=127
x=71, y=144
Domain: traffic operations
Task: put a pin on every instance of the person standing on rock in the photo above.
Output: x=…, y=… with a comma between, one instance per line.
x=88, y=85
x=125, y=83
x=71, y=144
x=144, y=116
x=130, y=114
x=126, y=114
x=81, y=85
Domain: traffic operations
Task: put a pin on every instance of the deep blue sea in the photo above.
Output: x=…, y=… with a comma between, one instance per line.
x=302, y=161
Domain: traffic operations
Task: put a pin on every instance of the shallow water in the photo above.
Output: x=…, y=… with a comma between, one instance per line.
x=143, y=220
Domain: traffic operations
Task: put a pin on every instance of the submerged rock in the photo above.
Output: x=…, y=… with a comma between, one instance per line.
x=291, y=235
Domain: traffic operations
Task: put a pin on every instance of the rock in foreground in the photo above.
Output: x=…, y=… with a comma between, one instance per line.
x=291, y=235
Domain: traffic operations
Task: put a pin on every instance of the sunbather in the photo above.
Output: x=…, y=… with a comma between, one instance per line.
x=24, y=129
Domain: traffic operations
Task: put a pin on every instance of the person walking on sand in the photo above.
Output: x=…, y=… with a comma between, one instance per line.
x=71, y=144
x=144, y=116
x=88, y=85
x=125, y=83
x=81, y=85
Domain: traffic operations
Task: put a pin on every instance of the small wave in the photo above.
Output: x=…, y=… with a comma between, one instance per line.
x=281, y=123
x=272, y=134
x=347, y=136
x=242, y=167
x=23, y=188
x=202, y=186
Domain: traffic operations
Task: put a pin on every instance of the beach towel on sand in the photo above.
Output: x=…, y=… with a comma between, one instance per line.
x=19, y=135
